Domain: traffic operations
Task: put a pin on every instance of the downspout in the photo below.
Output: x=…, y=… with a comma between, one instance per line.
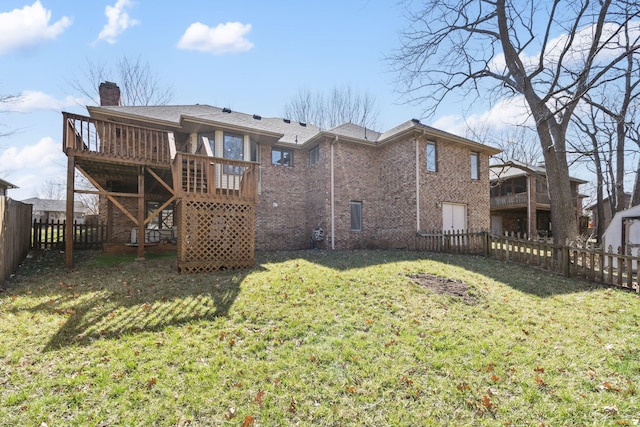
x=333, y=199
x=417, y=186
x=418, y=225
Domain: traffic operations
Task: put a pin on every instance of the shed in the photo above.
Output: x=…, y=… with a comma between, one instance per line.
x=623, y=233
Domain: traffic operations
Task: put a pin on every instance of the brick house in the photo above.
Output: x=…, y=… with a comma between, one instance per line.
x=364, y=189
x=520, y=199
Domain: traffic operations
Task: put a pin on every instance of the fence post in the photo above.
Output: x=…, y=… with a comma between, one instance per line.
x=566, y=260
x=487, y=243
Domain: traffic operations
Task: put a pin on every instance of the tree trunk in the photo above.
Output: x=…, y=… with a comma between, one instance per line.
x=635, y=197
x=564, y=220
x=619, y=188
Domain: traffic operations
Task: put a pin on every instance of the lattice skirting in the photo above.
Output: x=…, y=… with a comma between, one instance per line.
x=214, y=235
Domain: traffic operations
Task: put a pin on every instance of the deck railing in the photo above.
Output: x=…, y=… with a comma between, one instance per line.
x=199, y=175
x=116, y=140
x=519, y=199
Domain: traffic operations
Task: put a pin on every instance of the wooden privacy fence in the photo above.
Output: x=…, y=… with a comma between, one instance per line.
x=15, y=224
x=50, y=235
x=608, y=267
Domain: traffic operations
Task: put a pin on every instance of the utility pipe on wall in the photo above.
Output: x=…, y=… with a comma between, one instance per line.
x=333, y=205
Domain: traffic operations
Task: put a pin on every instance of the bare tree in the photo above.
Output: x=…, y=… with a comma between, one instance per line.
x=598, y=150
x=517, y=143
x=485, y=47
x=52, y=190
x=139, y=85
x=342, y=105
x=8, y=99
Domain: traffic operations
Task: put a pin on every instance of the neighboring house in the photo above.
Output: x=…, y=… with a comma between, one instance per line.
x=50, y=210
x=231, y=182
x=607, y=212
x=4, y=186
x=520, y=199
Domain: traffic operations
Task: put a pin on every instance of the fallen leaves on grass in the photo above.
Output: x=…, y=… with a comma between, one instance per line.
x=152, y=382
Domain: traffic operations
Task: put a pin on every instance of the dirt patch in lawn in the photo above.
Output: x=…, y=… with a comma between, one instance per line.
x=444, y=285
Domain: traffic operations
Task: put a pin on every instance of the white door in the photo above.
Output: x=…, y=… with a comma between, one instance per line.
x=454, y=217
x=496, y=225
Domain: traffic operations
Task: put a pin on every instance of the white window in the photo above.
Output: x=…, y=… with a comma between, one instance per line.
x=233, y=149
x=356, y=216
x=281, y=157
x=431, y=157
x=314, y=156
x=475, y=166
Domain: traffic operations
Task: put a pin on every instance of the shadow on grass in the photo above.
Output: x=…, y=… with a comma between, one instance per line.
x=531, y=280
x=528, y=279
x=105, y=297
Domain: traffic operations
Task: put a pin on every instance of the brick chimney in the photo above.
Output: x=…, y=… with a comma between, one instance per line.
x=109, y=94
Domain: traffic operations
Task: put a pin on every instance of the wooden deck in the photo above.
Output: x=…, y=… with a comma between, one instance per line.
x=215, y=198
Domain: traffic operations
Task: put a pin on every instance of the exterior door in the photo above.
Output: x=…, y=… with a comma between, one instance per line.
x=454, y=217
x=496, y=225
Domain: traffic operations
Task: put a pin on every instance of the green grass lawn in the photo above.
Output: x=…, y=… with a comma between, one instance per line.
x=321, y=338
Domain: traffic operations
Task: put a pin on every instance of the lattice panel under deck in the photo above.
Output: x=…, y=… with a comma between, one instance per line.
x=214, y=235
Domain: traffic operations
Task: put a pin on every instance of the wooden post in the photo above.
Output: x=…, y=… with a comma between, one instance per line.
x=141, y=214
x=566, y=261
x=68, y=242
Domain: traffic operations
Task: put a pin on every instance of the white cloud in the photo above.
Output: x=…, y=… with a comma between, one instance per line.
x=29, y=166
x=34, y=100
x=224, y=38
x=28, y=27
x=577, y=51
x=507, y=112
x=42, y=156
x=118, y=21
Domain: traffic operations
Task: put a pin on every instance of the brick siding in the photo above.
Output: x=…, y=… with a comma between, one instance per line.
x=293, y=200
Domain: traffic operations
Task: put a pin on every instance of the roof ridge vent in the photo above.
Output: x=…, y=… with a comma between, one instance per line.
x=226, y=110
x=257, y=117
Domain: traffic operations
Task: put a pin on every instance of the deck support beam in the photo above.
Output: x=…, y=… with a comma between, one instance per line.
x=68, y=229
x=141, y=214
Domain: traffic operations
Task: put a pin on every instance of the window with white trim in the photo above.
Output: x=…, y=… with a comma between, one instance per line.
x=432, y=165
x=282, y=157
x=233, y=149
x=475, y=165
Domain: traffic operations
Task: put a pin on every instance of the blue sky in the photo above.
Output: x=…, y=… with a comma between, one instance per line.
x=251, y=56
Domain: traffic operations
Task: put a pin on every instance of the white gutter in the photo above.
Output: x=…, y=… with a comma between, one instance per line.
x=333, y=204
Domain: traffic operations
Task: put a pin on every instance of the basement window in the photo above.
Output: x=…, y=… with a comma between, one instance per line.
x=356, y=216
